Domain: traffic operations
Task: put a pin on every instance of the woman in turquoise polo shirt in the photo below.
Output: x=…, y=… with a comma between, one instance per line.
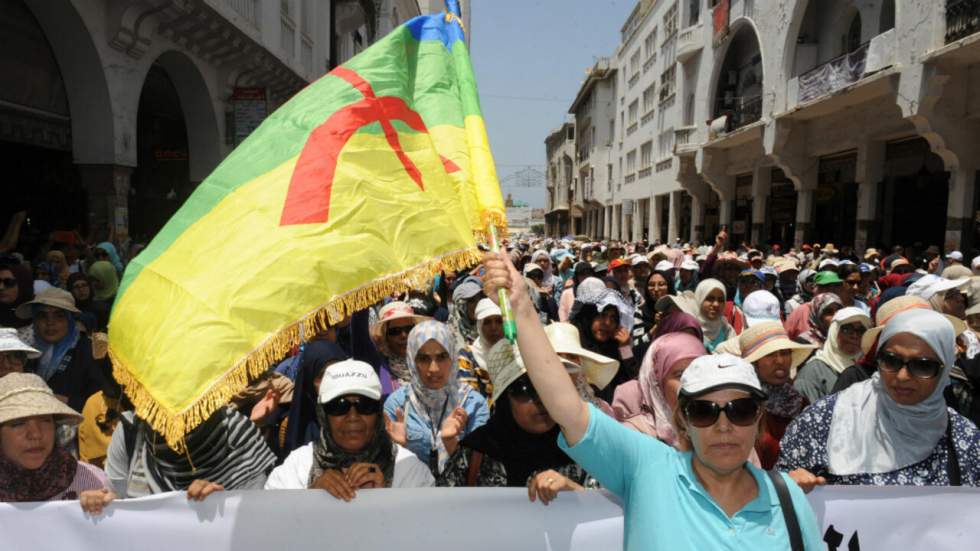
x=708, y=497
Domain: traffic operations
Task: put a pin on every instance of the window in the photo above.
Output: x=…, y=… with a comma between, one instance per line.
x=650, y=44
x=670, y=22
x=689, y=110
x=665, y=144
x=631, y=162
x=646, y=155
x=694, y=12
x=609, y=177
x=635, y=63
x=634, y=111
x=308, y=17
x=649, y=98
x=668, y=80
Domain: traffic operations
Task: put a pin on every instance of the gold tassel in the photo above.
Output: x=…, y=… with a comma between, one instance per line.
x=174, y=425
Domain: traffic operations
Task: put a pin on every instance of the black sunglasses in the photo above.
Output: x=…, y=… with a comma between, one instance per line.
x=8, y=283
x=342, y=406
x=920, y=368
x=704, y=413
x=395, y=331
x=523, y=391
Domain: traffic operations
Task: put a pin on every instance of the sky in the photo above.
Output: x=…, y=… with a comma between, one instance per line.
x=530, y=58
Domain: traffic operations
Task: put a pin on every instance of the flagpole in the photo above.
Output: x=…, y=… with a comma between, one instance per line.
x=510, y=326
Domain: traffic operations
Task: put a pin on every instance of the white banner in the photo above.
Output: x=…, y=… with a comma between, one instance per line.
x=474, y=519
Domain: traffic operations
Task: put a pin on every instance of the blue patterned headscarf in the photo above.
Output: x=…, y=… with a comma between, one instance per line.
x=433, y=405
x=52, y=354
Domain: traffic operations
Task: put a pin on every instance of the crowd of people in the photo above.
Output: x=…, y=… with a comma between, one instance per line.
x=830, y=367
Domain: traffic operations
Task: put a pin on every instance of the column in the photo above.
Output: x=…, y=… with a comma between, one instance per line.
x=637, y=221
x=108, y=193
x=674, y=216
x=725, y=212
x=657, y=230
x=623, y=223
x=761, y=189
x=697, y=219
x=607, y=223
x=654, y=220
x=960, y=211
x=804, y=207
x=869, y=173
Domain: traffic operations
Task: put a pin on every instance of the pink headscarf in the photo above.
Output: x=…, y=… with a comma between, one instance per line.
x=659, y=359
x=675, y=257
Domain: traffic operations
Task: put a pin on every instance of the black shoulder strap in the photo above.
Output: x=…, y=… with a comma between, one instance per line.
x=953, y=462
x=789, y=512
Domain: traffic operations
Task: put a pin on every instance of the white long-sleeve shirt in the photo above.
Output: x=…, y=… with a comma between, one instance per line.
x=294, y=473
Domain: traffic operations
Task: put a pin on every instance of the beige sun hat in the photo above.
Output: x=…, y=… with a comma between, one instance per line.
x=26, y=395
x=896, y=306
x=390, y=312
x=504, y=364
x=52, y=296
x=599, y=370
x=10, y=342
x=767, y=337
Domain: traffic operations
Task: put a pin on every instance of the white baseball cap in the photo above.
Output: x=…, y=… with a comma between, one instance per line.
x=719, y=371
x=664, y=266
x=486, y=309
x=349, y=377
x=760, y=306
x=638, y=259
x=827, y=262
x=690, y=265
x=955, y=255
x=928, y=285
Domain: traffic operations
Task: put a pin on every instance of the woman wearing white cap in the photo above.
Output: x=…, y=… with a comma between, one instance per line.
x=353, y=451
x=33, y=467
x=14, y=352
x=840, y=351
x=473, y=358
x=895, y=428
x=746, y=509
x=518, y=446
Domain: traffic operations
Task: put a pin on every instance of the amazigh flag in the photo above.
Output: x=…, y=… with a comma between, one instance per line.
x=368, y=182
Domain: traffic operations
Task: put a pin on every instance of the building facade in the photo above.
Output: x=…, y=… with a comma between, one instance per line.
x=123, y=107
x=560, y=179
x=848, y=121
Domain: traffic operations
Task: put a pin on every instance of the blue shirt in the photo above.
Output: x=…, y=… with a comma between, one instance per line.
x=418, y=431
x=665, y=507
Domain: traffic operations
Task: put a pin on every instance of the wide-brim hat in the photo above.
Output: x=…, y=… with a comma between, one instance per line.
x=504, y=365
x=391, y=312
x=26, y=395
x=598, y=369
x=896, y=306
x=53, y=296
x=10, y=342
x=767, y=337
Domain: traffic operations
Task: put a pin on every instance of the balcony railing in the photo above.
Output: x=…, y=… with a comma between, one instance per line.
x=962, y=19
x=742, y=112
x=684, y=135
x=245, y=8
x=834, y=74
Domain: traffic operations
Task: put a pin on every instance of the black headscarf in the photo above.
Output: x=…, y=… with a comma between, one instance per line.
x=521, y=452
x=25, y=293
x=328, y=455
x=303, y=426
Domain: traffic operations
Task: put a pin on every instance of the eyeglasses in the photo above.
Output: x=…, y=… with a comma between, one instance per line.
x=854, y=329
x=395, y=331
x=523, y=391
x=8, y=283
x=704, y=413
x=920, y=368
x=342, y=406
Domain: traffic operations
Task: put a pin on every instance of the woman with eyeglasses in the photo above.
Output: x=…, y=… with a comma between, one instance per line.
x=518, y=446
x=706, y=494
x=841, y=350
x=437, y=410
x=775, y=358
x=353, y=450
x=895, y=428
x=16, y=288
x=390, y=337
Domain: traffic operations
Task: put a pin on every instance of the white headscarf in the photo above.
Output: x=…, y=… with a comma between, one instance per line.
x=715, y=331
x=869, y=431
x=480, y=347
x=549, y=279
x=831, y=354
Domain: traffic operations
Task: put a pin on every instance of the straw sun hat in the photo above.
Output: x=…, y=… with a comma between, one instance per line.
x=599, y=370
x=390, y=312
x=767, y=337
x=896, y=306
x=58, y=298
x=26, y=395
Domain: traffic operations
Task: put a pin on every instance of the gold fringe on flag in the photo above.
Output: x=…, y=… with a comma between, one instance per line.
x=173, y=426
